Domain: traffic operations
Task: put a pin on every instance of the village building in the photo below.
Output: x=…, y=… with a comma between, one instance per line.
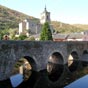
x=85, y=37
x=28, y=26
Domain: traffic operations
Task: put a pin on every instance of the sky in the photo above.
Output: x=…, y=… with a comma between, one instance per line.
x=66, y=11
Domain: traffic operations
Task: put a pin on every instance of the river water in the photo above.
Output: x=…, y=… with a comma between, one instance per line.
x=17, y=80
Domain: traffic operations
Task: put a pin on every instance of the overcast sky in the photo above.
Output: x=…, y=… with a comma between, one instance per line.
x=67, y=11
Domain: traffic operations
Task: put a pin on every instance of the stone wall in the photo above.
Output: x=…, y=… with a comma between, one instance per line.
x=12, y=51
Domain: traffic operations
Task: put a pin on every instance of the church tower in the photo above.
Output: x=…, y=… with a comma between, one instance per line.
x=45, y=16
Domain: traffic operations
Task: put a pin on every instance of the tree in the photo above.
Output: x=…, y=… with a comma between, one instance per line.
x=3, y=32
x=12, y=33
x=30, y=38
x=46, y=32
x=22, y=37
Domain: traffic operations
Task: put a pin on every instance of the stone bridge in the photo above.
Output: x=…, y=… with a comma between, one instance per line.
x=60, y=57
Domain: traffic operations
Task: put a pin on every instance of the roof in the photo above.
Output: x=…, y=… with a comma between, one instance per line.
x=68, y=36
x=59, y=36
x=36, y=35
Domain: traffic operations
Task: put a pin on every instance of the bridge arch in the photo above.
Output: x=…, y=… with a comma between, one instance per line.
x=32, y=62
x=85, y=52
x=28, y=69
x=55, y=66
x=84, y=58
x=73, y=61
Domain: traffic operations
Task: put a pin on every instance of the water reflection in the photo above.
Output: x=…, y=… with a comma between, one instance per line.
x=16, y=80
x=40, y=79
x=22, y=67
x=80, y=83
x=75, y=76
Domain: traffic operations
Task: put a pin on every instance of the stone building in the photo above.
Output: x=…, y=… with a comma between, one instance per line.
x=29, y=26
x=45, y=17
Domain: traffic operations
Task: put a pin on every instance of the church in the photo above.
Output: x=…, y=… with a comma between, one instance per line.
x=29, y=26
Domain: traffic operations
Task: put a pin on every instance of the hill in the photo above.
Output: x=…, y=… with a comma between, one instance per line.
x=66, y=28
x=10, y=19
x=83, y=26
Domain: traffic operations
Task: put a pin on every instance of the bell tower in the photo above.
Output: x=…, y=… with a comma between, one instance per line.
x=45, y=16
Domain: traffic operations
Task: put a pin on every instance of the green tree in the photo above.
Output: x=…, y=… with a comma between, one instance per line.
x=30, y=38
x=3, y=32
x=46, y=32
x=22, y=37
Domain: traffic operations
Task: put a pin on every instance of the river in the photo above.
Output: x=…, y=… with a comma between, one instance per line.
x=16, y=81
